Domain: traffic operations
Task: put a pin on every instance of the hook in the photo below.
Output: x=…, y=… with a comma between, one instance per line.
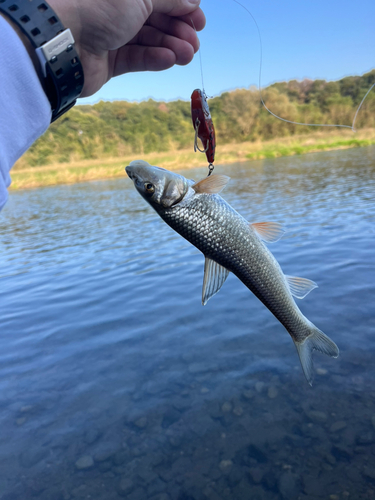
x=196, y=147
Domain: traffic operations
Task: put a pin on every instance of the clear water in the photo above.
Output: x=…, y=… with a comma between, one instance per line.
x=116, y=383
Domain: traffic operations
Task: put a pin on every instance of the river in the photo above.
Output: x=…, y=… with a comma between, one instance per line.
x=116, y=383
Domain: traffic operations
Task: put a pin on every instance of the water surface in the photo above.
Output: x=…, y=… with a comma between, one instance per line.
x=114, y=380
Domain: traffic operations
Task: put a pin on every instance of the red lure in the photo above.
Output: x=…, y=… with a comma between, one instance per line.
x=202, y=122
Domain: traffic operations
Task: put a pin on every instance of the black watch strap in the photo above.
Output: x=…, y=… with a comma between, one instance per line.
x=54, y=45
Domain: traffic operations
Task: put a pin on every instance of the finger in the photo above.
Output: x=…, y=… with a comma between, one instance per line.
x=197, y=19
x=152, y=37
x=175, y=7
x=132, y=58
x=175, y=27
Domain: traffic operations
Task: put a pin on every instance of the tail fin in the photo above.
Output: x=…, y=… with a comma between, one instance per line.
x=316, y=341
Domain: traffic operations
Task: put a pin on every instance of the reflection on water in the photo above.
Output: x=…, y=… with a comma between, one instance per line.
x=114, y=380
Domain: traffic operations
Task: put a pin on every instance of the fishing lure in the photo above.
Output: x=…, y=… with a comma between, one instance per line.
x=204, y=128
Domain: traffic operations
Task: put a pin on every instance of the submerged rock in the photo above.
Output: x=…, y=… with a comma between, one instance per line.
x=338, y=426
x=317, y=416
x=85, y=462
x=238, y=411
x=201, y=367
x=342, y=451
x=288, y=486
x=256, y=474
x=330, y=459
x=226, y=466
x=91, y=436
x=226, y=407
x=272, y=392
x=105, y=466
x=369, y=472
x=27, y=409
x=170, y=417
x=160, y=496
x=119, y=457
x=125, y=486
x=259, y=386
x=214, y=410
x=365, y=438
x=32, y=457
x=141, y=422
x=248, y=394
x=105, y=453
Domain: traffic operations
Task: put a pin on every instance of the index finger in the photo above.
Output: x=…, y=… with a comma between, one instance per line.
x=196, y=19
x=175, y=7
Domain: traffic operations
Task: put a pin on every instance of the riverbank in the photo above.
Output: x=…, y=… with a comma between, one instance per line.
x=104, y=168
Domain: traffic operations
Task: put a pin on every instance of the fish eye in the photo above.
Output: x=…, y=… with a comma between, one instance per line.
x=150, y=188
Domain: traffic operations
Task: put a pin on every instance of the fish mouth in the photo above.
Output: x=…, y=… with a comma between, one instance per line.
x=128, y=170
x=137, y=178
x=132, y=175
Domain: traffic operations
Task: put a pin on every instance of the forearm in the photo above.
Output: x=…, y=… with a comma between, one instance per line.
x=25, y=112
x=29, y=48
x=112, y=37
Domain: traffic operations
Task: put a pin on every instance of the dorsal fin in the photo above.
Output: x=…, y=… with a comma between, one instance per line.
x=300, y=287
x=268, y=231
x=212, y=184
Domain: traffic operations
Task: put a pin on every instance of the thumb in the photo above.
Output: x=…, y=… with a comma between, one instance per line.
x=175, y=7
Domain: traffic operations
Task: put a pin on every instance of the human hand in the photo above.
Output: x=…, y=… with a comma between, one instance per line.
x=114, y=37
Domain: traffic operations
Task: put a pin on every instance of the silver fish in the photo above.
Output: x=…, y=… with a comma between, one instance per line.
x=230, y=244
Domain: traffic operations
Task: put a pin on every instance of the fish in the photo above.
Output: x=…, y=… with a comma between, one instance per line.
x=229, y=243
x=203, y=125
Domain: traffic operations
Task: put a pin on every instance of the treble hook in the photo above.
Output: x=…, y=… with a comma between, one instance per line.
x=196, y=147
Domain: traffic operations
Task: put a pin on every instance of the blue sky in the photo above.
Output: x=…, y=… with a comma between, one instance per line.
x=301, y=39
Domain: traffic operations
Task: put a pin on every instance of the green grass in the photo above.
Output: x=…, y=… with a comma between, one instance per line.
x=278, y=150
x=87, y=170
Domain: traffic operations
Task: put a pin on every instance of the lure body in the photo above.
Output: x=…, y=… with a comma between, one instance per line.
x=202, y=122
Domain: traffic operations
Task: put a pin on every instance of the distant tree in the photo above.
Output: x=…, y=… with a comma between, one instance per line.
x=114, y=129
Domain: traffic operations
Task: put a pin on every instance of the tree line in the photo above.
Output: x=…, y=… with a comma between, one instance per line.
x=121, y=128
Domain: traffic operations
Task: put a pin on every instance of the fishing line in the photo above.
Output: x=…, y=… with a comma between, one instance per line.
x=260, y=87
x=200, y=59
x=200, y=111
x=359, y=107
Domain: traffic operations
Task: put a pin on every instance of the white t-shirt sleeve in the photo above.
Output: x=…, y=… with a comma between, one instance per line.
x=25, y=112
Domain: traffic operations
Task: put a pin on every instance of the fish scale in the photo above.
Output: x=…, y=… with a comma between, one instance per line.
x=221, y=233
x=230, y=244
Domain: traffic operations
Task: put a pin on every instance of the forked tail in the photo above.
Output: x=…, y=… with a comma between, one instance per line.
x=316, y=341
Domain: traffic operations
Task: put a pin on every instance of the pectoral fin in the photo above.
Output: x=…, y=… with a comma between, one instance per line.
x=268, y=231
x=214, y=278
x=212, y=184
x=300, y=287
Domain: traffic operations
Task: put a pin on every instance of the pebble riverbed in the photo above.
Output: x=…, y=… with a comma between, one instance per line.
x=274, y=439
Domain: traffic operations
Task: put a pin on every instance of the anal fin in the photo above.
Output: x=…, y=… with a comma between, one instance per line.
x=300, y=287
x=214, y=278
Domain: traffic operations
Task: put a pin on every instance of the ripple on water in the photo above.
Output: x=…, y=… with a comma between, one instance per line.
x=116, y=382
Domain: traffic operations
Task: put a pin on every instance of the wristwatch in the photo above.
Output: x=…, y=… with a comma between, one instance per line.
x=54, y=45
